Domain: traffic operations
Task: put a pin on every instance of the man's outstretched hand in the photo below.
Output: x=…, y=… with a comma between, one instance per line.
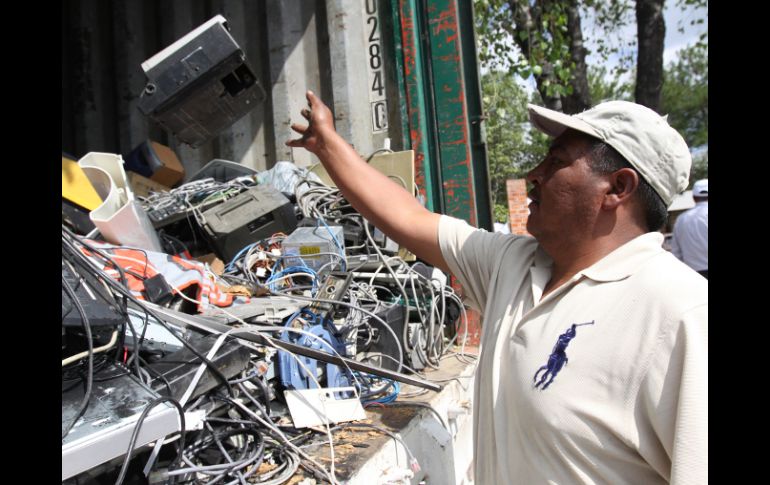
x=381, y=201
x=320, y=125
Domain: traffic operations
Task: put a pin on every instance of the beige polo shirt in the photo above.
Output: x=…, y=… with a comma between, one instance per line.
x=630, y=405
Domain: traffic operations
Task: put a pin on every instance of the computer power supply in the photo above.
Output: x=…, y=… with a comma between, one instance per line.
x=315, y=247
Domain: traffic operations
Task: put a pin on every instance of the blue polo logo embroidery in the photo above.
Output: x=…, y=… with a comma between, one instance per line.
x=558, y=357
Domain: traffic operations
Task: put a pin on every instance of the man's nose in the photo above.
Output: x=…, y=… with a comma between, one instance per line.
x=533, y=176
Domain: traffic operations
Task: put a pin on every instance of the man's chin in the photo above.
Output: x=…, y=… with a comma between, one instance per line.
x=531, y=226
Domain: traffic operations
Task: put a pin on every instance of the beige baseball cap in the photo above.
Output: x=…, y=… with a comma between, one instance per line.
x=642, y=136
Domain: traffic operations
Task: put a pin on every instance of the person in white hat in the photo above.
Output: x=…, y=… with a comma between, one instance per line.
x=690, y=241
x=594, y=348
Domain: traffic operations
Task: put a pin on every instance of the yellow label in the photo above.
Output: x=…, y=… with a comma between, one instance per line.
x=306, y=250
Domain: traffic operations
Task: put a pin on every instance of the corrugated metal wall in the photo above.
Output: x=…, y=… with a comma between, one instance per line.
x=105, y=42
x=407, y=58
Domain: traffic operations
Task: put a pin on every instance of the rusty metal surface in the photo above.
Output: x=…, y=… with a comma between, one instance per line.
x=416, y=102
x=452, y=117
x=477, y=133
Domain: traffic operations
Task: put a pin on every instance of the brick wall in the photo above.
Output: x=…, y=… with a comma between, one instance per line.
x=518, y=212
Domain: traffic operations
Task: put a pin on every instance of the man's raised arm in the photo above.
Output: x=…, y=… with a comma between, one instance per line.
x=381, y=201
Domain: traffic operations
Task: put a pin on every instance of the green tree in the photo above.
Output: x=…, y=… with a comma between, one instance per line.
x=513, y=147
x=686, y=96
x=606, y=87
x=685, y=99
x=545, y=39
x=538, y=38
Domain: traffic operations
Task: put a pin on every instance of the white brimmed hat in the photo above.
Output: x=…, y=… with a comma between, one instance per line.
x=642, y=136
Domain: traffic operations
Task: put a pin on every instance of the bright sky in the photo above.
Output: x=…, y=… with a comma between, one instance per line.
x=674, y=39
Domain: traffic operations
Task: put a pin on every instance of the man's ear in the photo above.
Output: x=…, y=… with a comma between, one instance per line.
x=623, y=184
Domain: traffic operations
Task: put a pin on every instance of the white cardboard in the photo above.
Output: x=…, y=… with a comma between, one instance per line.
x=317, y=407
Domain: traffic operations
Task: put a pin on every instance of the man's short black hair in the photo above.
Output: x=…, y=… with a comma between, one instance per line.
x=606, y=159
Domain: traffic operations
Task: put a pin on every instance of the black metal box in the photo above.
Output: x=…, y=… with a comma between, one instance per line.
x=250, y=216
x=200, y=84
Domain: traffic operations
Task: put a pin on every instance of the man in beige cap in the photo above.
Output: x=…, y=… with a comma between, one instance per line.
x=594, y=363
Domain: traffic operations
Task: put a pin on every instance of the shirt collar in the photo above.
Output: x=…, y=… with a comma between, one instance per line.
x=625, y=260
x=542, y=259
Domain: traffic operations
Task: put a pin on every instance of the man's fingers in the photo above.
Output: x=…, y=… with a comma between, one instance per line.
x=298, y=143
x=301, y=129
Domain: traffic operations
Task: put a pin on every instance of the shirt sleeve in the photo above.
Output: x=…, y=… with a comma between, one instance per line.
x=675, y=397
x=472, y=256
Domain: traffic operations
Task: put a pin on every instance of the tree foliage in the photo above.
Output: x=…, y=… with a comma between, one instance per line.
x=686, y=94
x=610, y=17
x=513, y=147
x=686, y=101
x=605, y=87
x=543, y=39
x=538, y=38
x=543, y=29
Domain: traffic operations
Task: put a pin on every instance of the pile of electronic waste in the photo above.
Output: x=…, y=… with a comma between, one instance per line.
x=253, y=314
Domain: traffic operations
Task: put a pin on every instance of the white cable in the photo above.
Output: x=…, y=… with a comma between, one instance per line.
x=194, y=383
x=79, y=356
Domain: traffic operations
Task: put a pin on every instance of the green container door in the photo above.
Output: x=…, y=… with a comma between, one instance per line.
x=443, y=107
